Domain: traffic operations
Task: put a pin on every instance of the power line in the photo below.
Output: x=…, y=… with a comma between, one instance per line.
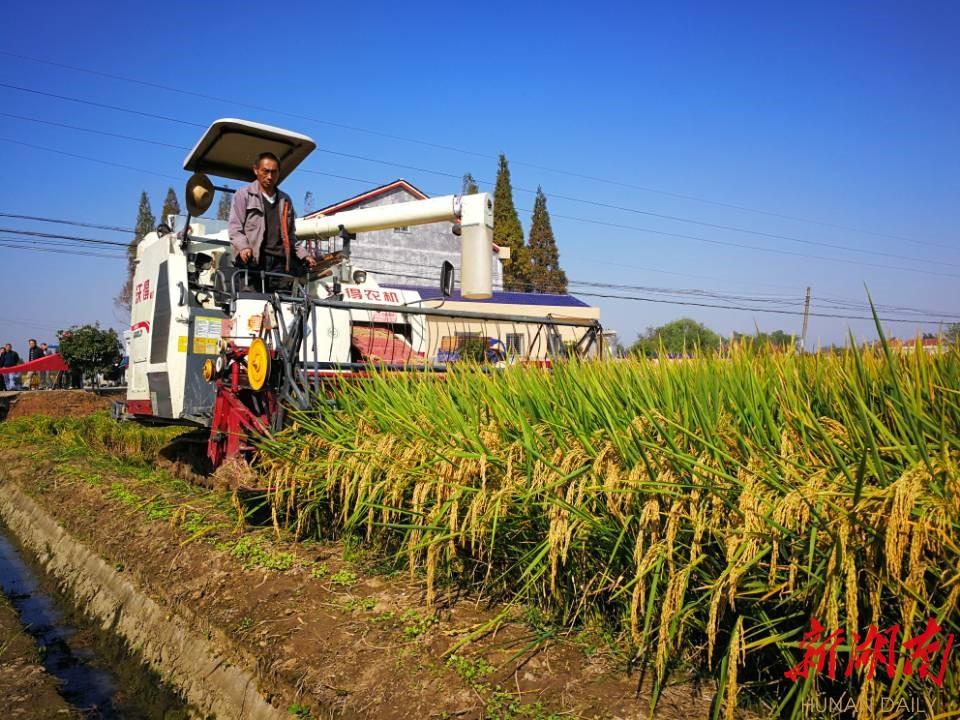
x=94, y=103
x=151, y=142
x=750, y=309
x=85, y=157
x=759, y=248
x=58, y=251
x=74, y=244
x=678, y=292
x=569, y=198
x=76, y=223
x=589, y=294
x=34, y=233
x=61, y=244
x=105, y=133
x=674, y=218
x=668, y=291
x=131, y=231
x=608, y=224
x=569, y=217
x=27, y=323
x=559, y=171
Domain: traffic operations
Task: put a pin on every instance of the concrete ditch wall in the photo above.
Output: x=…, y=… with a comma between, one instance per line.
x=167, y=640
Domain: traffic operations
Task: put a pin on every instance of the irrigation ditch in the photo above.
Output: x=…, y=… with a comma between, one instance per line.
x=91, y=672
x=147, y=656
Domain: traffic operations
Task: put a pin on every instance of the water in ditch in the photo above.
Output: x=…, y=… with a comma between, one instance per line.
x=98, y=674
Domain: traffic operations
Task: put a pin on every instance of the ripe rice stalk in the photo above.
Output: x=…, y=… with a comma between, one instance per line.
x=706, y=510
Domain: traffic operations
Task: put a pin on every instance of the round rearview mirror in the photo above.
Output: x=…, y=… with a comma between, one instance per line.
x=199, y=194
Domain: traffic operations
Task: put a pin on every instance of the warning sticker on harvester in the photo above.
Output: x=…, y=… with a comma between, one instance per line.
x=181, y=343
x=207, y=327
x=206, y=346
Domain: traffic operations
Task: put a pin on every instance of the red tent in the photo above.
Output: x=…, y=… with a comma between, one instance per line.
x=48, y=363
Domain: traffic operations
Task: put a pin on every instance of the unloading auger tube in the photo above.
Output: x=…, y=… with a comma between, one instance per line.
x=472, y=213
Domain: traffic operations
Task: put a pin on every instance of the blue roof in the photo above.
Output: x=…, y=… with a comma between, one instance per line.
x=501, y=297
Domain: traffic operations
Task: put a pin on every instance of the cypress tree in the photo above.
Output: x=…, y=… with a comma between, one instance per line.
x=146, y=223
x=507, y=232
x=469, y=185
x=546, y=275
x=170, y=205
x=223, y=208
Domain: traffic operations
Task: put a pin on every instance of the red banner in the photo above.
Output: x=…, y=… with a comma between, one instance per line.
x=48, y=363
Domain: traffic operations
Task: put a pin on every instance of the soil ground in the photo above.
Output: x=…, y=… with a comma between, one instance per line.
x=28, y=692
x=331, y=632
x=59, y=403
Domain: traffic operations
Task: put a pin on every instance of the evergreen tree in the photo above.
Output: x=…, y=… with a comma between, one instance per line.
x=469, y=185
x=170, y=205
x=146, y=223
x=546, y=276
x=507, y=232
x=308, y=203
x=223, y=208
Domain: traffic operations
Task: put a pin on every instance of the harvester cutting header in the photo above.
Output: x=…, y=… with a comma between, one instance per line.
x=221, y=339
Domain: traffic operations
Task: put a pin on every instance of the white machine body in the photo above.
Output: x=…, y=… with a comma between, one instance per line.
x=183, y=308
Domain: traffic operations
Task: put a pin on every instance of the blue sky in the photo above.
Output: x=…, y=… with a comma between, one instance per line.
x=842, y=113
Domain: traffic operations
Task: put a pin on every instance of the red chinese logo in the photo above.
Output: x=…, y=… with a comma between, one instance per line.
x=875, y=650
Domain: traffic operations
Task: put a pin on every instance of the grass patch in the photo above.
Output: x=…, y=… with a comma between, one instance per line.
x=416, y=624
x=254, y=554
x=343, y=577
x=359, y=604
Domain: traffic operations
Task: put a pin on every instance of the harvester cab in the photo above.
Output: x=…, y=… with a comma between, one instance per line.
x=217, y=345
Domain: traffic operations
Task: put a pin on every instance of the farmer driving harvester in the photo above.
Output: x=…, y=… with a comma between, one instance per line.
x=262, y=225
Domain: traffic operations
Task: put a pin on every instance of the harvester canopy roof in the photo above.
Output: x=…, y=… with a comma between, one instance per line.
x=229, y=147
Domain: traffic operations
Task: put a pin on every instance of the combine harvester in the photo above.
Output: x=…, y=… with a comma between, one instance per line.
x=216, y=346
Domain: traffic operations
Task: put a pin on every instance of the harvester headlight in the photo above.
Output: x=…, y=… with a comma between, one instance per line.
x=258, y=364
x=359, y=276
x=209, y=370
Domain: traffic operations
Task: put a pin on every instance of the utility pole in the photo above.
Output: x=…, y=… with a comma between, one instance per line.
x=806, y=318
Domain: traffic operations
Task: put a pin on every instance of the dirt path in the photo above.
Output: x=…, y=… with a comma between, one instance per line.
x=329, y=632
x=27, y=691
x=59, y=403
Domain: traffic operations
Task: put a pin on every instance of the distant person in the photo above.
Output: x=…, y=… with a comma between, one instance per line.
x=34, y=352
x=262, y=224
x=11, y=358
x=45, y=374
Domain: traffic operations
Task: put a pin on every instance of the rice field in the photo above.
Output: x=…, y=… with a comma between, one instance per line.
x=707, y=512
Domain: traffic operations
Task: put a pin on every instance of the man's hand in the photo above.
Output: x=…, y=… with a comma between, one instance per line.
x=245, y=255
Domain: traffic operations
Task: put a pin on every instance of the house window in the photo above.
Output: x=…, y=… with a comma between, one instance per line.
x=514, y=343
